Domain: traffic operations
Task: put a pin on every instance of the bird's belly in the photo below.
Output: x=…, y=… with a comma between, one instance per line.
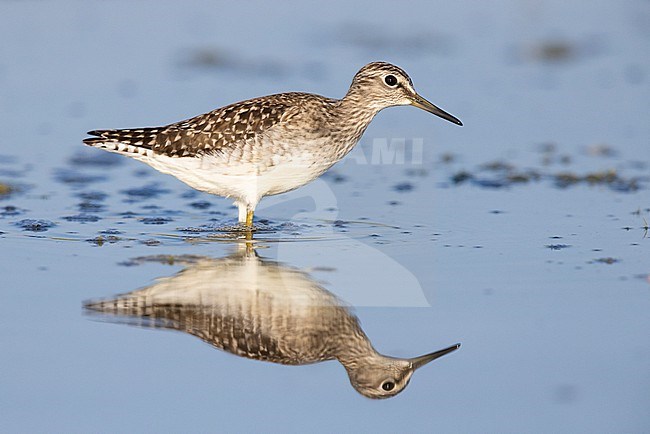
x=248, y=182
x=288, y=176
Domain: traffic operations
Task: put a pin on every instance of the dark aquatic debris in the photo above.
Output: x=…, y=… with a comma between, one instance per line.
x=10, y=211
x=557, y=246
x=74, y=177
x=201, y=204
x=410, y=41
x=89, y=158
x=147, y=192
x=111, y=232
x=334, y=176
x=558, y=51
x=33, y=225
x=83, y=218
x=87, y=206
x=156, y=220
x=403, y=187
x=212, y=58
x=93, y=196
x=461, y=176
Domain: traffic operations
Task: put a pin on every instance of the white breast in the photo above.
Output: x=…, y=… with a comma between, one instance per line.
x=246, y=182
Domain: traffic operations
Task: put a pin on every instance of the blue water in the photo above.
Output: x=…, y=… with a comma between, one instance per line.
x=546, y=287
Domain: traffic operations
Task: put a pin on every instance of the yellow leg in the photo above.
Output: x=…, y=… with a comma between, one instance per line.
x=249, y=219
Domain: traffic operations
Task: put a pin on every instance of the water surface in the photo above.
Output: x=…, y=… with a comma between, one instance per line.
x=522, y=235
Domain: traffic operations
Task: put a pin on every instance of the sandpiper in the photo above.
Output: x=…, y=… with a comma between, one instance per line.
x=267, y=145
x=263, y=310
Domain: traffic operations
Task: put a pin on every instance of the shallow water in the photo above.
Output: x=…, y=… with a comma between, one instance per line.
x=522, y=235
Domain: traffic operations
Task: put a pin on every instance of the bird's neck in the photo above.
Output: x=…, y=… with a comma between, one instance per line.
x=355, y=348
x=352, y=115
x=356, y=107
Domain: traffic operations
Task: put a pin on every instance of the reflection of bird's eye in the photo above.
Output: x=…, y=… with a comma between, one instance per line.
x=390, y=80
x=388, y=386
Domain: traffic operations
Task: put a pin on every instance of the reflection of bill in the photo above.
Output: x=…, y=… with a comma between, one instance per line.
x=263, y=310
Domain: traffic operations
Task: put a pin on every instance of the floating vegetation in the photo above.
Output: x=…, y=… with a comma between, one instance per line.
x=503, y=175
x=150, y=242
x=607, y=260
x=101, y=240
x=6, y=189
x=610, y=178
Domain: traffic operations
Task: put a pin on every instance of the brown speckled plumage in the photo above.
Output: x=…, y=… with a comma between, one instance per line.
x=262, y=310
x=267, y=145
x=210, y=132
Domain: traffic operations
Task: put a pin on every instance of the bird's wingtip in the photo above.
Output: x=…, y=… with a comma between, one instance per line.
x=98, y=137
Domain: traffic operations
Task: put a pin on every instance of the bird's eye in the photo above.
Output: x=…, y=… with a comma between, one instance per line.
x=388, y=385
x=390, y=80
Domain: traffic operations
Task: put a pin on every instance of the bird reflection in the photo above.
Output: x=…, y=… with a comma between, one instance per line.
x=263, y=310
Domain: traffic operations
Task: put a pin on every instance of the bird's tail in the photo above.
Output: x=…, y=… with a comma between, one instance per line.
x=129, y=142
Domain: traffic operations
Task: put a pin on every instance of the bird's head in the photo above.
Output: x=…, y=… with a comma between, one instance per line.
x=381, y=85
x=380, y=377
